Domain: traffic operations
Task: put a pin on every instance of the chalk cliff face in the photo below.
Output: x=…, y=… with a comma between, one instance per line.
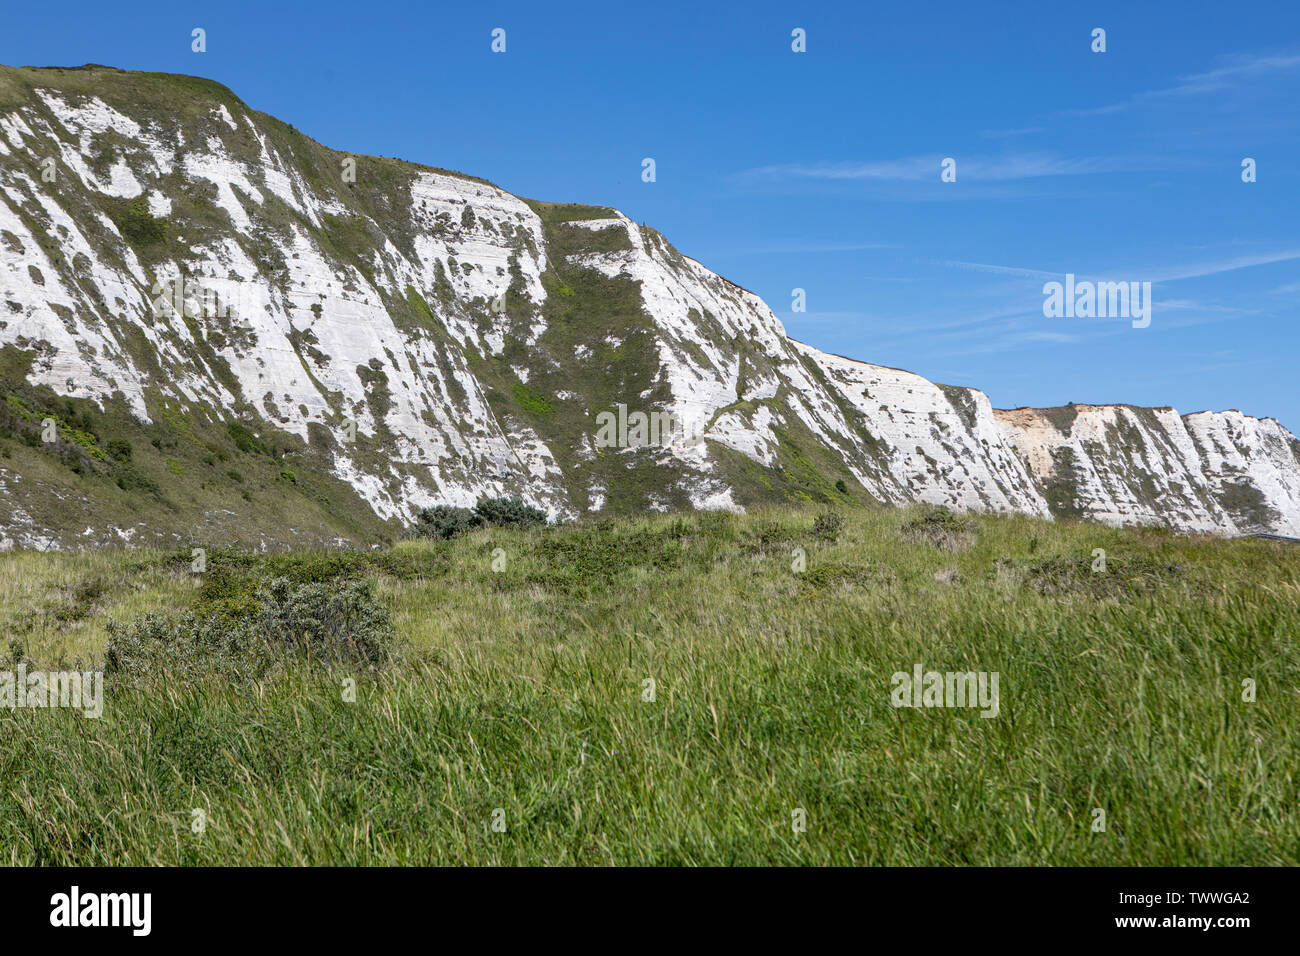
x=1222, y=472
x=214, y=328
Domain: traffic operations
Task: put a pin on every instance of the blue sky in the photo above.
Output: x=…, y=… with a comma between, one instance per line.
x=820, y=170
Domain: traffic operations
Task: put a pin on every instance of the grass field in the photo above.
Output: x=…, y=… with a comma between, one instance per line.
x=519, y=698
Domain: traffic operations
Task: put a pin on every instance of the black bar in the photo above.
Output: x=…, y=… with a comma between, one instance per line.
x=330, y=907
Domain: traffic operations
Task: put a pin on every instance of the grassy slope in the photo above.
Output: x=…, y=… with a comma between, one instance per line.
x=523, y=690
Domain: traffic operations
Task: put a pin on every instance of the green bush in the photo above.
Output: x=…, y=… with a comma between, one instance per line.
x=157, y=644
x=941, y=529
x=509, y=511
x=337, y=624
x=341, y=623
x=827, y=525
x=1122, y=577
x=530, y=401
x=446, y=522
x=136, y=224
x=245, y=440
x=128, y=477
x=119, y=449
x=17, y=654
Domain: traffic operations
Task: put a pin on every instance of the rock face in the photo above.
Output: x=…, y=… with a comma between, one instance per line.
x=239, y=334
x=1221, y=472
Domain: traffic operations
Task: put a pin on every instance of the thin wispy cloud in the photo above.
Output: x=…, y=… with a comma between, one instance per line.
x=799, y=248
x=1001, y=270
x=1059, y=338
x=1008, y=133
x=1225, y=265
x=1168, y=274
x=1191, y=305
x=1003, y=168
x=1015, y=341
x=1234, y=70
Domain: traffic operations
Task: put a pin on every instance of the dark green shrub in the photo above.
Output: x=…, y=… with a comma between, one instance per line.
x=940, y=528
x=119, y=449
x=227, y=592
x=128, y=477
x=1123, y=577
x=245, y=440
x=504, y=512
x=530, y=401
x=81, y=598
x=827, y=525
x=136, y=224
x=445, y=522
x=186, y=646
x=17, y=654
x=340, y=623
x=337, y=624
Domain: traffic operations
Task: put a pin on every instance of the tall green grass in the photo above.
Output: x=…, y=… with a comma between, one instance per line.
x=520, y=698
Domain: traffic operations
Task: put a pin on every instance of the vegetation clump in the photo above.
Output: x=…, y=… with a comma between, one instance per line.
x=137, y=225
x=329, y=623
x=447, y=521
x=530, y=401
x=941, y=529
x=444, y=522
x=1121, y=577
x=1247, y=505
x=509, y=512
x=827, y=525
x=1062, y=490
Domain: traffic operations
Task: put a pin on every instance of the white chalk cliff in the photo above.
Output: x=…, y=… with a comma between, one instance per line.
x=434, y=339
